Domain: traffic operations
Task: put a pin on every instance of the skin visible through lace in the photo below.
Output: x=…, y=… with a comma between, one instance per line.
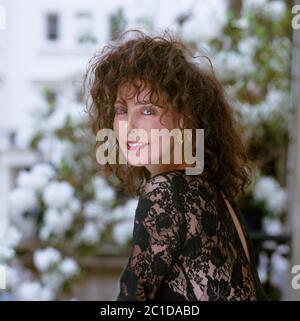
x=237, y=226
x=184, y=245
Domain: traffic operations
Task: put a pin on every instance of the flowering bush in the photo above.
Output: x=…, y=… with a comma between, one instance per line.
x=62, y=203
x=250, y=49
x=60, y=208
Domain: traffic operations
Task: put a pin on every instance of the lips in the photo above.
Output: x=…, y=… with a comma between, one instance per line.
x=135, y=145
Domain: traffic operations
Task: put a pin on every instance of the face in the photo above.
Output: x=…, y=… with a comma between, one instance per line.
x=135, y=125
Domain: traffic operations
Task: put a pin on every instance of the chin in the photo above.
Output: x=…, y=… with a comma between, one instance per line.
x=136, y=162
x=137, y=165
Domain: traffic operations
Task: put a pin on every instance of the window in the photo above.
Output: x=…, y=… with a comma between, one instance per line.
x=52, y=26
x=85, y=28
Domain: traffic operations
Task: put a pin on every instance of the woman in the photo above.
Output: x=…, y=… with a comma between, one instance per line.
x=189, y=240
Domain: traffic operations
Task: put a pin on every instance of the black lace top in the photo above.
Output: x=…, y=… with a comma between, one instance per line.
x=186, y=246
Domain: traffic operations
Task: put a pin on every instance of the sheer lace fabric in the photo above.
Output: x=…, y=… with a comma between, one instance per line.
x=185, y=245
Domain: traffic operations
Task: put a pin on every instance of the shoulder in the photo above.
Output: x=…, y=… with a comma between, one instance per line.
x=158, y=201
x=178, y=182
x=157, y=195
x=155, y=184
x=176, y=191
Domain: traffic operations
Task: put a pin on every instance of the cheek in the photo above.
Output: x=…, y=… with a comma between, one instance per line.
x=158, y=145
x=116, y=128
x=154, y=123
x=166, y=124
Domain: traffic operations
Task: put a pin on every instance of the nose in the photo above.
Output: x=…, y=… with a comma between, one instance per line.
x=131, y=125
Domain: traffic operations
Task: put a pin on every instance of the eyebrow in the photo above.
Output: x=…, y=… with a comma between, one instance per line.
x=121, y=100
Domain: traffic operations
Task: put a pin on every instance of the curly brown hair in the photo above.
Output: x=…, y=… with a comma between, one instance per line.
x=165, y=64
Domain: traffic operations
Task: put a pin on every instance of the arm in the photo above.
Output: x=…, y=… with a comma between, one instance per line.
x=156, y=242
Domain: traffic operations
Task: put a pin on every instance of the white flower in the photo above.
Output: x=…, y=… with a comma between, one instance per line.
x=103, y=191
x=199, y=26
x=12, y=277
x=25, y=224
x=10, y=237
x=247, y=46
x=24, y=179
x=58, y=221
x=242, y=23
x=126, y=211
x=272, y=226
x=122, y=232
x=92, y=210
x=256, y=5
x=275, y=101
x=275, y=9
x=6, y=253
x=53, y=280
x=265, y=110
x=101, y=225
x=56, y=150
x=22, y=200
x=130, y=208
x=69, y=267
x=268, y=189
x=106, y=194
x=65, y=109
x=58, y=194
x=44, y=169
x=37, y=178
x=33, y=291
x=99, y=182
x=71, y=109
x=13, y=236
x=57, y=120
x=277, y=203
x=280, y=273
x=262, y=268
x=280, y=263
x=74, y=205
x=250, y=113
x=118, y=213
x=283, y=249
x=24, y=136
x=232, y=64
x=89, y=234
x=44, y=233
x=46, y=258
x=277, y=98
x=39, y=109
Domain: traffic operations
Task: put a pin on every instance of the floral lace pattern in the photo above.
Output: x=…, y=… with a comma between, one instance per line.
x=185, y=245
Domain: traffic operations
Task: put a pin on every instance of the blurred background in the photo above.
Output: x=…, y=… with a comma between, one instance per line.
x=65, y=232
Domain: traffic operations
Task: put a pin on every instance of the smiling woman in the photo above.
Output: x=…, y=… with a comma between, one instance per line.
x=130, y=75
x=143, y=120
x=189, y=240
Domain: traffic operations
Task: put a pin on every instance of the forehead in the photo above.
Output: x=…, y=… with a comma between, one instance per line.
x=128, y=92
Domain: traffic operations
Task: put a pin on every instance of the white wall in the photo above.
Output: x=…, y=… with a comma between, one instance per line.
x=29, y=60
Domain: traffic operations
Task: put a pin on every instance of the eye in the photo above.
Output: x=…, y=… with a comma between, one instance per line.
x=120, y=110
x=148, y=110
